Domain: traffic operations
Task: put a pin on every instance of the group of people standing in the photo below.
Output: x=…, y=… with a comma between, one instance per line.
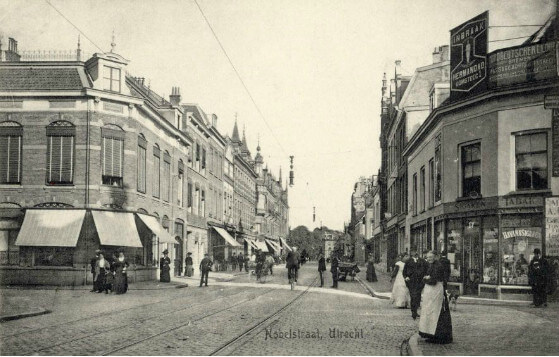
x=422, y=282
x=109, y=275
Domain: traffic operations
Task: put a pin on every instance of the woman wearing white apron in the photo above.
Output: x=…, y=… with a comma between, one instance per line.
x=400, y=293
x=434, y=323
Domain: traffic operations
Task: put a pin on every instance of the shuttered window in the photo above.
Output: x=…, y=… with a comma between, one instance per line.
x=156, y=171
x=141, y=164
x=10, y=157
x=189, y=196
x=165, y=181
x=60, y=153
x=112, y=157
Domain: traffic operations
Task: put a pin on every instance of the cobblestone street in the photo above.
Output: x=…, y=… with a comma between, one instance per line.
x=237, y=316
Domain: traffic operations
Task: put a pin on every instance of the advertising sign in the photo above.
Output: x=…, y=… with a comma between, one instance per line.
x=522, y=64
x=552, y=226
x=468, y=57
x=555, y=143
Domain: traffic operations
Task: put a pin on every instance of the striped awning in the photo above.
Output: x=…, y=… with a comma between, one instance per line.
x=157, y=229
x=284, y=244
x=275, y=246
x=251, y=243
x=51, y=228
x=117, y=228
x=262, y=246
x=230, y=240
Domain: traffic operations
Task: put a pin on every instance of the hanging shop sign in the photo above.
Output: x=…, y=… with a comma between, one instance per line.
x=521, y=64
x=555, y=143
x=468, y=57
x=552, y=226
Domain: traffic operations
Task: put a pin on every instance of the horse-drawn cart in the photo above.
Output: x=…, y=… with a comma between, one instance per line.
x=346, y=269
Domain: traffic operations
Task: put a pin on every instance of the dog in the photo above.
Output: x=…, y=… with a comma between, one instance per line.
x=453, y=296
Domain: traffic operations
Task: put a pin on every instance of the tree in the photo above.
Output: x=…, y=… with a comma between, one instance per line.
x=303, y=239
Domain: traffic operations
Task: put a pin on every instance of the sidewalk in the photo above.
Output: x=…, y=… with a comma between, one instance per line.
x=382, y=288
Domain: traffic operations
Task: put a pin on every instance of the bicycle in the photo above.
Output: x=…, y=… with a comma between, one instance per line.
x=292, y=276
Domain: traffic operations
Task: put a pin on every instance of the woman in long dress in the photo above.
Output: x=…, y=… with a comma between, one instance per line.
x=120, y=285
x=102, y=267
x=400, y=293
x=371, y=273
x=435, y=323
x=165, y=268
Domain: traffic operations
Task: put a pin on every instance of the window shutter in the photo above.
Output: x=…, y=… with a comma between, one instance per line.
x=4, y=149
x=117, y=157
x=14, y=159
x=107, y=157
x=141, y=168
x=55, y=156
x=67, y=159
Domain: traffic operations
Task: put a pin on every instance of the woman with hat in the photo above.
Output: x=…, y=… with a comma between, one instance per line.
x=120, y=285
x=165, y=266
x=102, y=267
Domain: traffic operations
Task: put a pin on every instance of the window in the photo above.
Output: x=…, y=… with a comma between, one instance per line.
x=438, y=176
x=203, y=204
x=156, y=171
x=166, y=177
x=531, y=161
x=112, y=156
x=197, y=165
x=60, y=153
x=471, y=170
x=196, y=203
x=53, y=256
x=203, y=160
x=142, y=145
x=414, y=198
x=10, y=153
x=422, y=189
x=180, y=184
x=189, y=197
x=111, y=79
x=431, y=183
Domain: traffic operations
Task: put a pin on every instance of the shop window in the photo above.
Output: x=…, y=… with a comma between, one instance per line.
x=521, y=235
x=490, y=250
x=454, y=238
x=471, y=170
x=472, y=248
x=156, y=171
x=112, y=156
x=141, y=165
x=60, y=153
x=439, y=237
x=9, y=252
x=53, y=256
x=154, y=252
x=531, y=161
x=10, y=153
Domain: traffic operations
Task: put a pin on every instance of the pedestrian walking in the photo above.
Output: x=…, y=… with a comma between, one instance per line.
x=371, y=273
x=240, y=261
x=233, y=261
x=321, y=268
x=446, y=267
x=121, y=278
x=538, y=277
x=435, y=323
x=414, y=271
x=270, y=263
x=400, y=293
x=102, y=267
x=334, y=270
x=188, y=265
x=93, y=263
x=205, y=267
x=165, y=268
x=245, y=262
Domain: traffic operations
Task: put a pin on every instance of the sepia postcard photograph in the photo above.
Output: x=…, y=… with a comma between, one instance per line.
x=279, y=177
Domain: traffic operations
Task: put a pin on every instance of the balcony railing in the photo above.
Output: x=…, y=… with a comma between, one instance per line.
x=58, y=55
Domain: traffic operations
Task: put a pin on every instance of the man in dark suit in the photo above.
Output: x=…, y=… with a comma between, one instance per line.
x=414, y=271
x=321, y=268
x=446, y=268
x=93, y=263
x=334, y=270
x=205, y=267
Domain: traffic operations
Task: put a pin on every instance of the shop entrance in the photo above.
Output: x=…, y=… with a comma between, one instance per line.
x=472, y=255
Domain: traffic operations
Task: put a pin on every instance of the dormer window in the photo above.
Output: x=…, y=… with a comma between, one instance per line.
x=111, y=78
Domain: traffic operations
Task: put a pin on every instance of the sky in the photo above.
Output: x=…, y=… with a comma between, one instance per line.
x=313, y=67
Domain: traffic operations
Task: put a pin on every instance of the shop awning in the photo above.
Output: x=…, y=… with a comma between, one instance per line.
x=275, y=246
x=230, y=240
x=51, y=228
x=251, y=243
x=284, y=244
x=157, y=229
x=116, y=228
x=262, y=246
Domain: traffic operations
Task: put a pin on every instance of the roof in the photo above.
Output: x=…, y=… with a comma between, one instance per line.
x=235, y=136
x=39, y=78
x=138, y=89
x=417, y=92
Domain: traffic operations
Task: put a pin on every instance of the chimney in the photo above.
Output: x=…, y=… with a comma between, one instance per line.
x=398, y=69
x=384, y=85
x=445, y=53
x=436, y=55
x=214, y=121
x=175, y=97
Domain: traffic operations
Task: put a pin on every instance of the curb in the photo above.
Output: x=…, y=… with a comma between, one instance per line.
x=370, y=290
x=413, y=346
x=24, y=314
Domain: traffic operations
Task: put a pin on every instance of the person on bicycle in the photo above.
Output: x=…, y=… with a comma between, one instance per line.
x=293, y=262
x=260, y=261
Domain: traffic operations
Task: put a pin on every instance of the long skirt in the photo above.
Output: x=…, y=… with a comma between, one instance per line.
x=371, y=274
x=99, y=284
x=120, y=285
x=165, y=276
x=435, y=323
x=400, y=293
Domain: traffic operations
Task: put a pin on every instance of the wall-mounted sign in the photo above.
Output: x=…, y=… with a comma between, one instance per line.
x=555, y=143
x=552, y=226
x=521, y=64
x=468, y=57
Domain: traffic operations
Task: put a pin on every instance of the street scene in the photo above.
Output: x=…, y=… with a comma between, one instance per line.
x=199, y=177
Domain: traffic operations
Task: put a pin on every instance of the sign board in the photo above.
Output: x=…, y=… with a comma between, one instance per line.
x=468, y=57
x=552, y=226
x=555, y=143
x=551, y=102
x=521, y=64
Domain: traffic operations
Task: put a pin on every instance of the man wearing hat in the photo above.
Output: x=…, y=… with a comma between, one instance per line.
x=189, y=264
x=93, y=264
x=538, y=273
x=205, y=267
x=165, y=266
